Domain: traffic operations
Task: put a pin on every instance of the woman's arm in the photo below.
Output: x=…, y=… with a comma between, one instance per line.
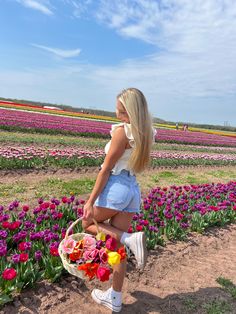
x=116, y=150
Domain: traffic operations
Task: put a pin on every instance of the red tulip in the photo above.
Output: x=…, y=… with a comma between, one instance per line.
x=24, y=257
x=103, y=273
x=9, y=274
x=139, y=228
x=111, y=244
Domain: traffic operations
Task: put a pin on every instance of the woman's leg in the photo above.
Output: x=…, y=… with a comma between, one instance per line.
x=121, y=221
x=101, y=214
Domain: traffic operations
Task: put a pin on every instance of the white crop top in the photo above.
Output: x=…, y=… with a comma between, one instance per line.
x=122, y=162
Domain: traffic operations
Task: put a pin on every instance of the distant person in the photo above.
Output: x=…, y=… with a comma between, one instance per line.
x=177, y=126
x=185, y=128
x=116, y=194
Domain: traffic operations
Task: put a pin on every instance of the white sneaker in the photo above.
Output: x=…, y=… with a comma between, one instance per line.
x=137, y=244
x=105, y=298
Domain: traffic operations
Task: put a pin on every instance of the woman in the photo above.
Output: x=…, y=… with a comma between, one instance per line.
x=116, y=194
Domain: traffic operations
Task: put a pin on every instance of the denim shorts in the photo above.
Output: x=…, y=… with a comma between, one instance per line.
x=121, y=193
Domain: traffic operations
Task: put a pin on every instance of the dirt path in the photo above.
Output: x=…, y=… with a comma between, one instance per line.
x=179, y=278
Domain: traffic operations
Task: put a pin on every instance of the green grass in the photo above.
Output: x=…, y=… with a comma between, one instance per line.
x=217, y=307
x=56, y=186
x=12, y=189
x=50, y=140
x=168, y=178
x=166, y=174
x=227, y=285
x=195, y=180
x=220, y=173
x=190, y=304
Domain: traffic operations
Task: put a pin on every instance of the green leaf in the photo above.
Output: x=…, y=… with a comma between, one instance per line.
x=5, y=298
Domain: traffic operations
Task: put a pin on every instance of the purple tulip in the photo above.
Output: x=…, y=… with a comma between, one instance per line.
x=3, y=250
x=11, y=207
x=55, y=227
x=21, y=215
x=3, y=234
x=99, y=244
x=15, y=258
x=57, y=202
x=21, y=235
x=184, y=225
x=38, y=255
x=54, y=245
x=40, y=200
x=15, y=204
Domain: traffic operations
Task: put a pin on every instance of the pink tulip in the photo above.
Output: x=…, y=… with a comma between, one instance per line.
x=103, y=256
x=90, y=254
x=89, y=242
x=68, y=245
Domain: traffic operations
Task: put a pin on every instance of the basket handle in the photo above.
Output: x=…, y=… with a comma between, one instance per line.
x=75, y=223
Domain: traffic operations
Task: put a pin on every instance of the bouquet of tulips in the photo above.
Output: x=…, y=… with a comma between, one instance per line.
x=88, y=256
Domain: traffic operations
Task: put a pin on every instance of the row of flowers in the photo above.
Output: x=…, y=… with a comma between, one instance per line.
x=52, y=124
x=17, y=106
x=14, y=157
x=29, y=239
x=170, y=213
x=196, y=138
x=12, y=105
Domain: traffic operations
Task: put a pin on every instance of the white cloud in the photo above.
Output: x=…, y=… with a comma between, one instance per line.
x=171, y=95
x=60, y=52
x=195, y=42
x=178, y=25
x=79, y=8
x=36, y=5
x=191, y=75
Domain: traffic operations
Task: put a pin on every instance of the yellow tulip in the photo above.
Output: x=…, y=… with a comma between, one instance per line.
x=113, y=258
x=101, y=236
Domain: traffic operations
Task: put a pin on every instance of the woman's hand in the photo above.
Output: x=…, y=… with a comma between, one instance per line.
x=88, y=211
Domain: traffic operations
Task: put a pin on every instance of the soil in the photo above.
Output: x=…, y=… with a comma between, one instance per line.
x=179, y=278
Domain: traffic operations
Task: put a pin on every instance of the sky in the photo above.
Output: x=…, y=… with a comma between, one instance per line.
x=180, y=53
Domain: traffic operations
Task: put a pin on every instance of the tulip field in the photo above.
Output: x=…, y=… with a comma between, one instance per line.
x=33, y=157
x=30, y=233
x=52, y=124
x=29, y=237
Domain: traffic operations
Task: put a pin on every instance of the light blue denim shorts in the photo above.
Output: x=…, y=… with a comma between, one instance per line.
x=121, y=192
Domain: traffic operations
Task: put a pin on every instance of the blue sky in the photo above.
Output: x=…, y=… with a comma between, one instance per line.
x=180, y=53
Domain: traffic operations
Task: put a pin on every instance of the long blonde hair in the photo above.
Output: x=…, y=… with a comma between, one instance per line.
x=140, y=119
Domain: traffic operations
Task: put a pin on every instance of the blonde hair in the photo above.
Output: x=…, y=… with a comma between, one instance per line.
x=140, y=119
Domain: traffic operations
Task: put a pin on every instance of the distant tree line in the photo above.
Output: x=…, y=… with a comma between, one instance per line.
x=112, y=114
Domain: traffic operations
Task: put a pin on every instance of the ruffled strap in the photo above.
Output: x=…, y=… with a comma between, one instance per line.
x=127, y=128
x=129, y=135
x=114, y=127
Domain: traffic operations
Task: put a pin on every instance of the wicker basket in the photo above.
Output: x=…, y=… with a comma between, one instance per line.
x=72, y=268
